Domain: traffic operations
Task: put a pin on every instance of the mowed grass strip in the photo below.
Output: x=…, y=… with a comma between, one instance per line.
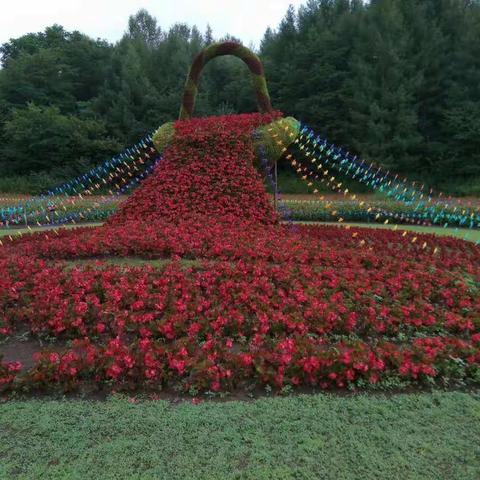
x=15, y=232
x=422, y=436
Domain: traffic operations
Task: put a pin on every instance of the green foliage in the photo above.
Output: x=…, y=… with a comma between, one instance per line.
x=128, y=102
x=349, y=210
x=164, y=136
x=381, y=91
x=34, y=183
x=143, y=28
x=397, y=83
x=290, y=182
x=462, y=186
x=428, y=436
x=276, y=136
x=52, y=68
x=41, y=138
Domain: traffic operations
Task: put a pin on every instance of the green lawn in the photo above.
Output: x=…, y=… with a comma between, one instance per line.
x=423, y=436
x=14, y=232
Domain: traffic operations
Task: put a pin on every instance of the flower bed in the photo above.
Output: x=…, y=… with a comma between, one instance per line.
x=265, y=304
x=208, y=173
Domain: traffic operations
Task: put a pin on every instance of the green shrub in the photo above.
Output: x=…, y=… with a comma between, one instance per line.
x=164, y=136
x=352, y=211
x=466, y=187
x=33, y=184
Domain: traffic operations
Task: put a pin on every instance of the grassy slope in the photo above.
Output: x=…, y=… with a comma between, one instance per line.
x=425, y=436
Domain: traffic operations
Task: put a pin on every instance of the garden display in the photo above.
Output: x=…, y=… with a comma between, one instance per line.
x=195, y=284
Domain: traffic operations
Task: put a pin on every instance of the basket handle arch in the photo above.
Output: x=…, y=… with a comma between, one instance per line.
x=218, y=50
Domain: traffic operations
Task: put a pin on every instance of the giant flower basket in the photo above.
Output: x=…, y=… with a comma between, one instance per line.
x=195, y=283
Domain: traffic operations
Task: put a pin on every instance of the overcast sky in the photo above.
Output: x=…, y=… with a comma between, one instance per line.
x=245, y=19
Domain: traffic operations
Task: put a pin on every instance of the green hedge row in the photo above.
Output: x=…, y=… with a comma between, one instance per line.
x=352, y=211
x=295, y=210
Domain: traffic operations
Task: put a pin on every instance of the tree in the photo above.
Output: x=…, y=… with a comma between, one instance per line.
x=460, y=118
x=381, y=89
x=396, y=82
x=53, y=37
x=208, y=35
x=278, y=52
x=143, y=28
x=128, y=101
x=42, y=77
x=42, y=139
x=328, y=31
x=52, y=68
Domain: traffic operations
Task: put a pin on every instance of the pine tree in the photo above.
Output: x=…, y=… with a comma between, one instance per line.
x=209, y=35
x=128, y=100
x=380, y=93
x=460, y=122
x=143, y=28
x=327, y=31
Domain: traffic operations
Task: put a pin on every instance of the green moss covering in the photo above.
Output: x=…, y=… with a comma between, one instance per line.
x=260, y=85
x=164, y=136
x=276, y=137
x=226, y=48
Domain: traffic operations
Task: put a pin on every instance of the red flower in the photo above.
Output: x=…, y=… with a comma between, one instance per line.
x=264, y=304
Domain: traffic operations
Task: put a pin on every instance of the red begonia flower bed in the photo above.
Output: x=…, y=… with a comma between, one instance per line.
x=240, y=300
x=207, y=172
